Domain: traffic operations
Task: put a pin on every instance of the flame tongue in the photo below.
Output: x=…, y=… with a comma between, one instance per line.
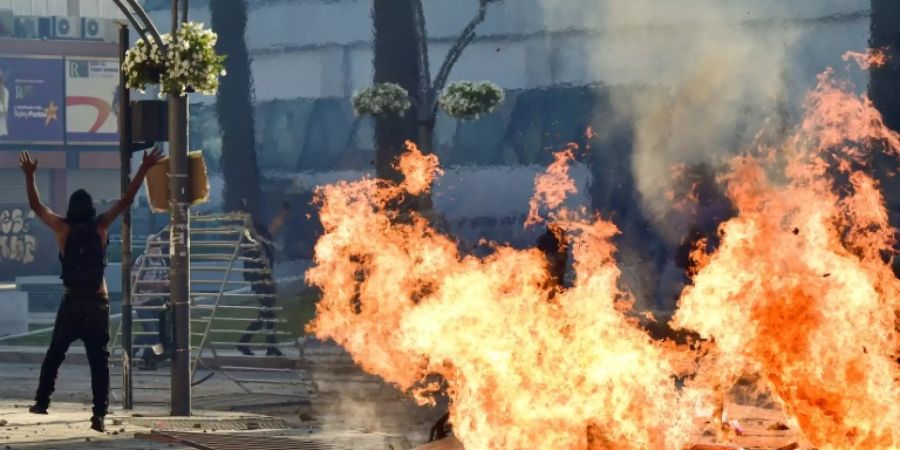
x=798, y=289
x=524, y=370
x=871, y=58
x=552, y=188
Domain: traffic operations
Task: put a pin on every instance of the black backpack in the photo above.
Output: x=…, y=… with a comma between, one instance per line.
x=84, y=259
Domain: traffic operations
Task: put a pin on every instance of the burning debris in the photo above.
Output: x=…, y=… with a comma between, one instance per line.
x=802, y=269
x=798, y=292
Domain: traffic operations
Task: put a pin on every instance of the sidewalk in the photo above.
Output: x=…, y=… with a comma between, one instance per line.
x=65, y=428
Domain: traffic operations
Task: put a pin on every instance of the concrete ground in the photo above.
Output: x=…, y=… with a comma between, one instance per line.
x=349, y=407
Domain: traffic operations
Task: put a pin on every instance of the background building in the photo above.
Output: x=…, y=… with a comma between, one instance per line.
x=59, y=68
x=544, y=53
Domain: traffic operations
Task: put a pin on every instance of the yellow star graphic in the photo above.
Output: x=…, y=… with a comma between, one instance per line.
x=51, y=113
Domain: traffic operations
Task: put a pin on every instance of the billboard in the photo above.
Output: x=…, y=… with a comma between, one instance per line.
x=31, y=100
x=91, y=101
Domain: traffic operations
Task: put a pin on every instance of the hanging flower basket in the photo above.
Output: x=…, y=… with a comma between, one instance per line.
x=193, y=62
x=381, y=99
x=189, y=65
x=156, y=71
x=143, y=66
x=466, y=100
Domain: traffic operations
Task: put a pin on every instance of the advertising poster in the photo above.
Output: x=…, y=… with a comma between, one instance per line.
x=91, y=101
x=31, y=100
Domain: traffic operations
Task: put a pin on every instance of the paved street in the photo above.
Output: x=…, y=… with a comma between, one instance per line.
x=351, y=408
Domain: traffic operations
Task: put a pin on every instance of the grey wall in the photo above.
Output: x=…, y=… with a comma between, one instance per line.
x=315, y=48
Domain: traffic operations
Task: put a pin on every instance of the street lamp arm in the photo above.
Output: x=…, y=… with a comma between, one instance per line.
x=131, y=19
x=140, y=21
x=148, y=24
x=465, y=38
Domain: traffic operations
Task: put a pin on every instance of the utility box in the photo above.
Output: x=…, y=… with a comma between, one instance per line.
x=149, y=121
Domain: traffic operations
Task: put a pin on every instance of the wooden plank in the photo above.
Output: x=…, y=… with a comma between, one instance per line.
x=715, y=447
x=220, y=441
x=450, y=443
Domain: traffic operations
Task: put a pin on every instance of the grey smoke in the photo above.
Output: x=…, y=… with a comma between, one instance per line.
x=704, y=77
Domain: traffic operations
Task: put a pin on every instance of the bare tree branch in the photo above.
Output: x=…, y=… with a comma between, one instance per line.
x=465, y=38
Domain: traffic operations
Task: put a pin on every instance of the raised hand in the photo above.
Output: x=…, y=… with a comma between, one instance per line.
x=107, y=218
x=150, y=159
x=27, y=163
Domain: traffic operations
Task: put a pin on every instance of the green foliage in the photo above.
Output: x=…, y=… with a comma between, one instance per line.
x=467, y=100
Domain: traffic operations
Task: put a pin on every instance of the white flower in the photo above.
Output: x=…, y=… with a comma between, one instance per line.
x=192, y=62
x=380, y=99
x=467, y=100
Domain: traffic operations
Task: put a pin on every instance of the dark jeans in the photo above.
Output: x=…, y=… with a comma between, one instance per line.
x=265, y=319
x=85, y=318
x=146, y=341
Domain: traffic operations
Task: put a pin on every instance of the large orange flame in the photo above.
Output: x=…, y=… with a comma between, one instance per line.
x=524, y=368
x=799, y=290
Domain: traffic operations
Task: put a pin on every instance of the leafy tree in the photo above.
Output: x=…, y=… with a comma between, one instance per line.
x=396, y=61
x=235, y=107
x=884, y=90
x=884, y=85
x=401, y=58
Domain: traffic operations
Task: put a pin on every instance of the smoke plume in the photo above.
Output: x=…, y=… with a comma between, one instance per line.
x=700, y=78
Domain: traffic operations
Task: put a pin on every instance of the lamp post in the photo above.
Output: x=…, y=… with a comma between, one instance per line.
x=179, y=225
x=125, y=148
x=179, y=240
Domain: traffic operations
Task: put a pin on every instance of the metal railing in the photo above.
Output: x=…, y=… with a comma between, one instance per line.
x=223, y=246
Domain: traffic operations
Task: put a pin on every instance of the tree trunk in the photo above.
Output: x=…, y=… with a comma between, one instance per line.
x=426, y=134
x=424, y=115
x=235, y=108
x=396, y=61
x=884, y=90
x=884, y=83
